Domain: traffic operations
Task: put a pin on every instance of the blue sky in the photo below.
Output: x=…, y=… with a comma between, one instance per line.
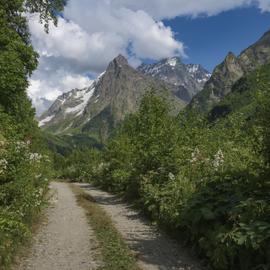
x=209, y=39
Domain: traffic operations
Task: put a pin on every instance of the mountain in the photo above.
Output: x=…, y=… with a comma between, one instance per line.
x=243, y=97
x=98, y=108
x=188, y=80
x=230, y=71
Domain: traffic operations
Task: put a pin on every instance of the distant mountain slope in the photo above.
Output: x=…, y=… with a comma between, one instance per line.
x=243, y=96
x=100, y=107
x=187, y=79
x=230, y=71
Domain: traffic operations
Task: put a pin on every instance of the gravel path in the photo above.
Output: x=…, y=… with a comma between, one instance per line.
x=65, y=241
x=154, y=250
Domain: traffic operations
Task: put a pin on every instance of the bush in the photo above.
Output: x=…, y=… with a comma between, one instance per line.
x=228, y=218
x=24, y=174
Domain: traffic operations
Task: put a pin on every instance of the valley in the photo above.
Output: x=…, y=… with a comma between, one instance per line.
x=155, y=163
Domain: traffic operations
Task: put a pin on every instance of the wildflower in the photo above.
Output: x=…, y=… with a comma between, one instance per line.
x=218, y=159
x=35, y=157
x=3, y=165
x=195, y=156
x=171, y=176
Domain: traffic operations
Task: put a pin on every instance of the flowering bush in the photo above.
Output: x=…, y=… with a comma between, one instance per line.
x=24, y=175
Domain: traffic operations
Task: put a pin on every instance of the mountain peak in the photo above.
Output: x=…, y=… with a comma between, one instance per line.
x=230, y=57
x=118, y=63
x=187, y=79
x=120, y=60
x=233, y=68
x=173, y=61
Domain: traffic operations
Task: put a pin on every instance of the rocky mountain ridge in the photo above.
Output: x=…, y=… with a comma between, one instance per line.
x=189, y=79
x=230, y=71
x=101, y=106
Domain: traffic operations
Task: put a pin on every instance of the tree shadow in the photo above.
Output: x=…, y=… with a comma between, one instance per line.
x=153, y=248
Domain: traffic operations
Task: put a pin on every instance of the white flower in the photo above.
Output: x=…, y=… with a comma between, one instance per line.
x=218, y=159
x=195, y=155
x=35, y=157
x=20, y=145
x=171, y=176
x=3, y=165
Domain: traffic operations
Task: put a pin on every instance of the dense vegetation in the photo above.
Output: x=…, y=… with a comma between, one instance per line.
x=24, y=163
x=206, y=177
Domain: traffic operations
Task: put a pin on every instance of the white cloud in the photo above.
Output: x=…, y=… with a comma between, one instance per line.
x=72, y=46
x=264, y=5
x=138, y=30
x=93, y=32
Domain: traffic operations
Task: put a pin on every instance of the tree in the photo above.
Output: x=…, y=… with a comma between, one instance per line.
x=48, y=10
x=24, y=164
x=156, y=137
x=17, y=57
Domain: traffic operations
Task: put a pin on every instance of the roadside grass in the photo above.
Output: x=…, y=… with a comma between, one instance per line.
x=115, y=253
x=21, y=248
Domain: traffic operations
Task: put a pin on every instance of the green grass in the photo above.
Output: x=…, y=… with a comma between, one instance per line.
x=115, y=253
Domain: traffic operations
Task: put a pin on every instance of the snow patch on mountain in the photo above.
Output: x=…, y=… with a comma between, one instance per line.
x=172, y=62
x=45, y=120
x=84, y=95
x=192, y=68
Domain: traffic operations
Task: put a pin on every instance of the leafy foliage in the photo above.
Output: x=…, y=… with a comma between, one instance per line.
x=48, y=10
x=24, y=175
x=206, y=178
x=24, y=162
x=77, y=166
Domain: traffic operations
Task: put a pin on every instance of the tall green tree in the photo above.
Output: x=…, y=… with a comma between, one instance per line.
x=17, y=57
x=24, y=165
x=156, y=137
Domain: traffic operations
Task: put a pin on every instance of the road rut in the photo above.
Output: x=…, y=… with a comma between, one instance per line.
x=154, y=249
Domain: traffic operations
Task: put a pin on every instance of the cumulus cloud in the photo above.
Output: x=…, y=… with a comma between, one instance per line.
x=92, y=32
x=140, y=33
x=74, y=48
x=264, y=5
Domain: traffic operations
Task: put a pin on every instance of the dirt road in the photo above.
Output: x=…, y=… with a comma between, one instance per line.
x=154, y=250
x=65, y=241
